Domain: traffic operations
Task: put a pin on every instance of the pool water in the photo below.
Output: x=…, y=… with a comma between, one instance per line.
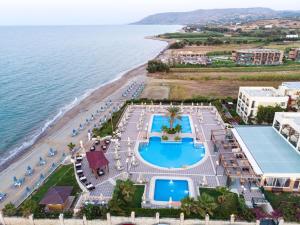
x=171, y=154
x=174, y=189
x=159, y=121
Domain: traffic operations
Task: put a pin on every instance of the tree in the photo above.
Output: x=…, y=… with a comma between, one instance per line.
x=189, y=206
x=173, y=112
x=157, y=66
x=28, y=207
x=71, y=146
x=9, y=209
x=206, y=205
x=265, y=114
x=123, y=194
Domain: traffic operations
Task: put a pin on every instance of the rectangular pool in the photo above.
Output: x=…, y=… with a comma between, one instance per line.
x=159, y=121
x=165, y=190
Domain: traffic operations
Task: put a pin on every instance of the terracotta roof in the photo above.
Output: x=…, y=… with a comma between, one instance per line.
x=56, y=195
x=96, y=159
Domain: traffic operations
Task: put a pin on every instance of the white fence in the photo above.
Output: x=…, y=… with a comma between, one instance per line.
x=112, y=220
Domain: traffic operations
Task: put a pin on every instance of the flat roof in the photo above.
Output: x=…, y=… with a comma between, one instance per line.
x=271, y=152
x=262, y=92
x=291, y=85
x=258, y=50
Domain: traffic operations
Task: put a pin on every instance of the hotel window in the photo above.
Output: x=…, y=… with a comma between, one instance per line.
x=296, y=185
x=283, y=104
x=253, y=104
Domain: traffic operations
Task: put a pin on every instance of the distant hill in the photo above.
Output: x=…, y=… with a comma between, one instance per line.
x=204, y=16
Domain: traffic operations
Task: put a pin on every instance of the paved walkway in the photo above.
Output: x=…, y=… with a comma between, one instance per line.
x=105, y=185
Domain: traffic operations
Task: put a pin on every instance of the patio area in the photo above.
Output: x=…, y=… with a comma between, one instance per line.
x=133, y=129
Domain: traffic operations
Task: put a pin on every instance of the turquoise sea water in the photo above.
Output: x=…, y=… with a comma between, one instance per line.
x=171, y=154
x=160, y=121
x=44, y=71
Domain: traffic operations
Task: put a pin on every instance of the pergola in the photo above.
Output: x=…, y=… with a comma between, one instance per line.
x=231, y=156
x=97, y=160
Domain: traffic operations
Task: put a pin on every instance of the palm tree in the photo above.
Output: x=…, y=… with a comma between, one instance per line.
x=189, y=206
x=206, y=205
x=173, y=112
x=71, y=146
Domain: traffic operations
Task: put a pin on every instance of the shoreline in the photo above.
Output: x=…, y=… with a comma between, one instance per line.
x=91, y=98
x=105, y=90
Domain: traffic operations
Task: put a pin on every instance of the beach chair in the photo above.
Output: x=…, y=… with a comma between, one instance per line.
x=2, y=196
x=74, y=132
x=52, y=152
x=29, y=171
x=18, y=182
x=42, y=162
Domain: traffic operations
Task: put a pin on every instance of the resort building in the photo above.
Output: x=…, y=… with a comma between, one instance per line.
x=257, y=57
x=292, y=90
x=250, y=98
x=188, y=57
x=294, y=54
x=265, y=156
x=273, y=152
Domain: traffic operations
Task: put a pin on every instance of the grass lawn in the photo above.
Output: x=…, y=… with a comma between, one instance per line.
x=62, y=176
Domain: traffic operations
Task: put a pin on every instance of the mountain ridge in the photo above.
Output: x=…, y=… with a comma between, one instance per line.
x=229, y=15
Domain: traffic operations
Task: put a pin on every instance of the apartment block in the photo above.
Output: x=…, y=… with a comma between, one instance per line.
x=257, y=57
x=250, y=98
x=294, y=54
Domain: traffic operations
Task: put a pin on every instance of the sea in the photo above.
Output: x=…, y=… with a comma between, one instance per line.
x=47, y=70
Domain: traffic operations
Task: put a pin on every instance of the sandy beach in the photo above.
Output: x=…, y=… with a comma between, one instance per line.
x=59, y=135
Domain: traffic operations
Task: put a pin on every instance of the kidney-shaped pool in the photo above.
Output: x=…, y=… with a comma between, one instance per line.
x=171, y=154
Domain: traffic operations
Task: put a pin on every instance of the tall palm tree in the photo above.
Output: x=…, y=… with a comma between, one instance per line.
x=173, y=112
x=206, y=205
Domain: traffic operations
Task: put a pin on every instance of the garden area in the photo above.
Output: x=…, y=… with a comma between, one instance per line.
x=63, y=176
x=286, y=205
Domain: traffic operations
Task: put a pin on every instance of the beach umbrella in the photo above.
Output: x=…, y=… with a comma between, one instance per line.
x=204, y=181
x=170, y=202
x=28, y=190
x=42, y=177
x=53, y=165
x=101, y=197
x=87, y=121
x=129, y=151
x=118, y=163
x=80, y=126
x=15, y=179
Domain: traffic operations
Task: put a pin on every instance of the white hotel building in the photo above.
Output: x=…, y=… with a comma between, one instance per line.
x=250, y=98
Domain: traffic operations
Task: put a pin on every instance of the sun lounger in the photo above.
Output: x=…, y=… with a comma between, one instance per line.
x=79, y=172
x=78, y=165
x=2, y=196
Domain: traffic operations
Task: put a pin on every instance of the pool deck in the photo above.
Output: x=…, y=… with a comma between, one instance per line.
x=105, y=184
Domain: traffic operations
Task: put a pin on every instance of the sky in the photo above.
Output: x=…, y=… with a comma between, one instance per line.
x=98, y=12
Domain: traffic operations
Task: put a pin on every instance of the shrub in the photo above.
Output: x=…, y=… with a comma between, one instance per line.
x=157, y=66
x=265, y=114
x=29, y=207
x=9, y=209
x=177, y=138
x=165, y=138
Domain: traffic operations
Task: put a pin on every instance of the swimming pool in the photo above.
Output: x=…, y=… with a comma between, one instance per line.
x=171, y=154
x=159, y=121
x=166, y=190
